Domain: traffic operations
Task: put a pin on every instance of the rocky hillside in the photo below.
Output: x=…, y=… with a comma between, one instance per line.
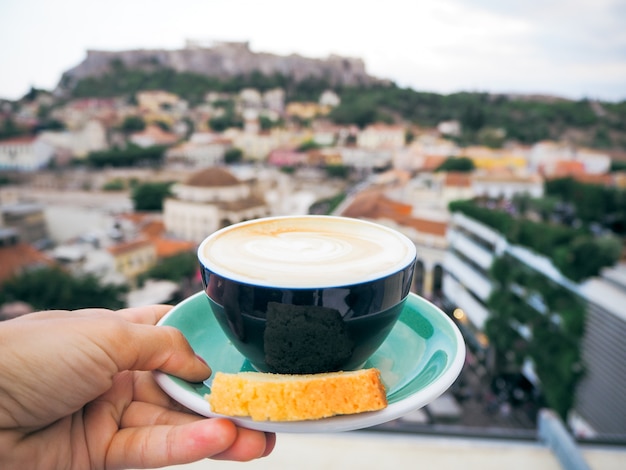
x=222, y=60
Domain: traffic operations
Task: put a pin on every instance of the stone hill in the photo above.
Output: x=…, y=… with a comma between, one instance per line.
x=222, y=60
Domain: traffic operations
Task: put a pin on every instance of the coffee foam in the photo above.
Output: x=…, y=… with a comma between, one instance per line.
x=306, y=251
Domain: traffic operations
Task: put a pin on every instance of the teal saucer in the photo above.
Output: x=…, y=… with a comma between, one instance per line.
x=420, y=359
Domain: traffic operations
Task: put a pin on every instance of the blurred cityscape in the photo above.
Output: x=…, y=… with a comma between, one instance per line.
x=104, y=198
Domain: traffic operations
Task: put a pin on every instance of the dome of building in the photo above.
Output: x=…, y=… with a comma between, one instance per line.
x=214, y=176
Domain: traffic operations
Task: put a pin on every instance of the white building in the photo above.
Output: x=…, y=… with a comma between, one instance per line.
x=329, y=98
x=382, y=136
x=363, y=158
x=200, y=151
x=472, y=249
x=507, y=185
x=25, y=153
x=79, y=142
x=211, y=199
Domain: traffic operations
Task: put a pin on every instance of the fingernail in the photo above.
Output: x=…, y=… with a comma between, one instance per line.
x=201, y=359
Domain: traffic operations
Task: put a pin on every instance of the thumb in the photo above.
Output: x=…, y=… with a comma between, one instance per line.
x=163, y=348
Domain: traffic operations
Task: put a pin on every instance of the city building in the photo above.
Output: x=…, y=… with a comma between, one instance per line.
x=153, y=135
x=27, y=219
x=78, y=142
x=202, y=149
x=26, y=153
x=306, y=110
x=600, y=404
x=17, y=256
x=209, y=200
x=160, y=106
x=431, y=192
x=429, y=235
x=257, y=145
x=382, y=136
x=489, y=159
x=133, y=258
x=365, y=159
x=507, y=184
x=425, y=152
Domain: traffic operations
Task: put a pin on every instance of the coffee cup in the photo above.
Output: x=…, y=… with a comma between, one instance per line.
x=306, y=294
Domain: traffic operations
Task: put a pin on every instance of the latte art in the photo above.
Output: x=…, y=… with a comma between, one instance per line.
x=309, y=251
x=296, y=247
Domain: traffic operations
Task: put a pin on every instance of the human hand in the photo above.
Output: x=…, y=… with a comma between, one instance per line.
x=76, y=392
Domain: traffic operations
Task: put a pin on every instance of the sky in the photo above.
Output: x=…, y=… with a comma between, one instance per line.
x=570, y=48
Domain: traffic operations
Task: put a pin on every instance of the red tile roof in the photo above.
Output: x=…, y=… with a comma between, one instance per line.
x=126, y=247
x=213, y=177
x=16, y=258
x=458, y=179
x=373, y=204
x=23, y=139
x=165, y=247
x=432, y=162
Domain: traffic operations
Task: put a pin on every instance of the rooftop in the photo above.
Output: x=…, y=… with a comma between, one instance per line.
x=374, y=204
x=214, y=176
x=18, y=257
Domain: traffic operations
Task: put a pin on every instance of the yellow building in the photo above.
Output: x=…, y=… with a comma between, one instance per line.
x=486, y=158
x=133, y=258
x=305, y=110
x=156, y=100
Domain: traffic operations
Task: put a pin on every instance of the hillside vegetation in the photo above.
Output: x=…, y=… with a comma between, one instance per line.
x=600, y=125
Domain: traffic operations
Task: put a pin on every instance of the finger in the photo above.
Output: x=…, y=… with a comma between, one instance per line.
x=174, y=445
x=139, y=414
x=148, y=315
x=145, y=389
x=249, y=445
x=270, y=443
x=146, y=347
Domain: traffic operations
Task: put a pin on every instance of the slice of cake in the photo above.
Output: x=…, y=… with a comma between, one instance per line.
x=283, y=397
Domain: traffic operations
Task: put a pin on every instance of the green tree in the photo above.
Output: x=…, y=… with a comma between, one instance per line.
x=174, y=268
x=116, y=184
x=132, y=155
x=361, y=113
x=461, y=164
x=233, y=155
x=150, y=196
x=54, y=288
x=225, y=121
x=163, y=125
x=328, y=205
x=308, y=145
x=532, y=317
x=10, y=129
x=133, y=124
x=585, y=256
x=491, y=137
x=267, y=123
x=337, y=171
x=577, y=252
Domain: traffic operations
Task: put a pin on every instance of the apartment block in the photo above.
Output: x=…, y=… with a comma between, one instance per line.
x=600, y=402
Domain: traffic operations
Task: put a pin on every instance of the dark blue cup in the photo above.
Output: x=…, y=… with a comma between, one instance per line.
x=315, y=323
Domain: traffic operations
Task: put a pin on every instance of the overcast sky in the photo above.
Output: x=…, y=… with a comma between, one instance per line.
x=570, y=48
